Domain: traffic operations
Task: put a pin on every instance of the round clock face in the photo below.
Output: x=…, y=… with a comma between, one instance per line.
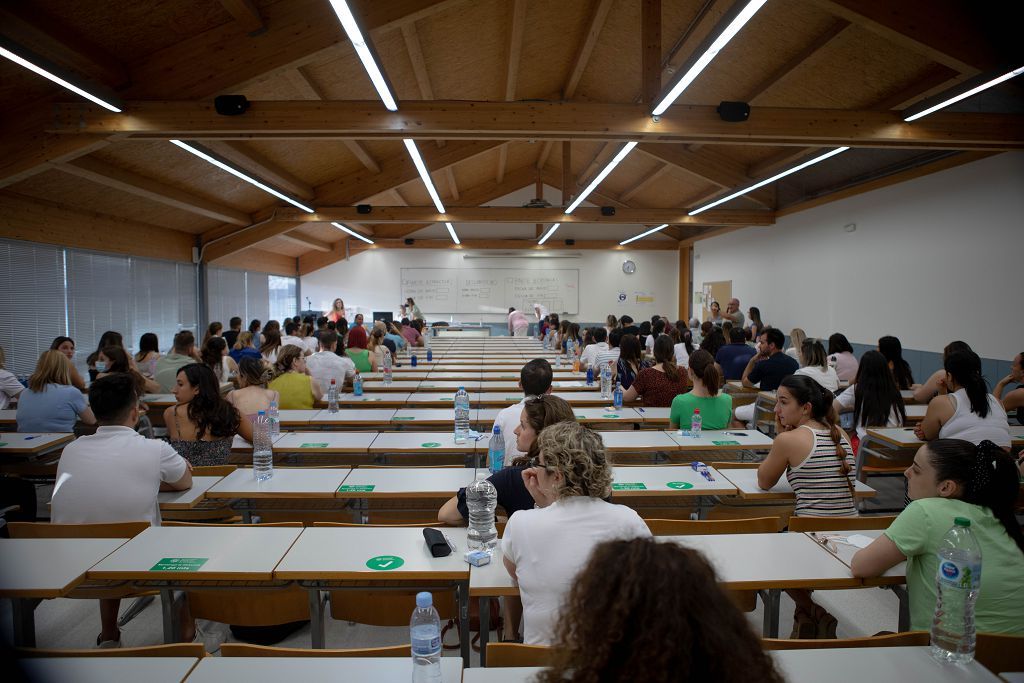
x=628, y=267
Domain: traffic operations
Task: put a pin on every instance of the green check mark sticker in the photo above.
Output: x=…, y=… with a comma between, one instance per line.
x=313, y=445
x=356, y=488
x=679, y=485
x=612, y=416
x=726, y=443
x=404, y=418
x=430, y=444
x=384, y=563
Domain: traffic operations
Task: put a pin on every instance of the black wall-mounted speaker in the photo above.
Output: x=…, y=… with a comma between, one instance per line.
x=569, y=243
x=230, y=105
x=733, y=111
x=363, y=208
x=409, y=241
x=607, y=210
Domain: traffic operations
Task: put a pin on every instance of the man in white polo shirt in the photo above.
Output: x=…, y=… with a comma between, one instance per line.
x=115, y=474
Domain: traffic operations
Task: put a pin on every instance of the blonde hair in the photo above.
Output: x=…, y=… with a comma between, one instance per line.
x=53, y=368
x=796, y=340
x=288, y=355
x=578, y=453
x=244, y=340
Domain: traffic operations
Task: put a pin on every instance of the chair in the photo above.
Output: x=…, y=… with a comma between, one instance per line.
x=703, y=527
x=172, y=650
x=517, y=654
x=906, y=639
x=1000, y=653
x=246, y=650
x=839, y=523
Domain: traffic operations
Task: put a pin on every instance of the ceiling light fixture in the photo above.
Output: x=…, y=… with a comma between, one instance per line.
x=365, y=54
x=240, y=174
x=623, y=153
x=549, y=233
x=731, y=23
x=417, y=160
x=643, y=234
x=48, y=74
x=783, y=174
x=352, y=232
x=451, y=231
x=961, y=92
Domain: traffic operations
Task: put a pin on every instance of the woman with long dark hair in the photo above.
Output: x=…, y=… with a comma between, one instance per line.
x=891, y=348
x=630, y=361
x=968, y=412
x=212, y=330
x=684, y=347
x=148, y=354
x=936, y=384
x=840, y=355
x=215, y=356
x=953, y=479
x=66, y=345
x=660, y=383
x=115, y=359
x=108, y=338
x=202, y=423
x=271, y=345
x=756, y=325
x=874, y=397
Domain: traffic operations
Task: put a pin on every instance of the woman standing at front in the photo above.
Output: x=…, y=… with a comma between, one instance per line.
x=337, y=311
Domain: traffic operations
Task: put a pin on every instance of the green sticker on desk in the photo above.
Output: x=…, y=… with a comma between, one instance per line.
x=726, y=443
x=679, y=485
x=430, y=444
x=447, y=398
x=512, y=398
x=313, y=445
x=581, y=417
x=179, y=564
x=404, y=418
x=612, y=416
x=372, y=399
x=356, y=488
x=425, y=385
x=3, y=444
x=629, y=486
x=384, y=563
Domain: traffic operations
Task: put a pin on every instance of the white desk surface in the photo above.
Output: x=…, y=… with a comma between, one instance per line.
x=354, y=416
x=396, y=385
x=451, y=376
x=916, y=411
x=341, y=553
x=337, y=442
x=49, y=567
x=745, y=479
x=855, y=665
x=492, y=579
x=746, y=438
x=487, y=415
x=449, y=385
x=403, y=372
x=656, y=479
x=658, y=416
x=9, y=416
x=106, y=669
x=186, y=500
x=296, y=417
x=408, y=482
x=430, y=416
x=607, y=414
x=442, y=397
x=378, y=400
x=240, y=444
x=413, y=442
x=844, y=552
x=293, y=482
x=903, y=437
x=29, y=443
x=277, y=669
x=502, y=398
x=505, y=674
x=583, y=398
x=576, y=384
x=232, y=553
x=161, y=400
x=638, y=441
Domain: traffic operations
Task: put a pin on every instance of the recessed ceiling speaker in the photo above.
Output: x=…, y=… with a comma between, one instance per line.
x=409, y=241
x=607, y=210
x=733, y=112
x=230, y=105
x=570, y=243
x=363, y=208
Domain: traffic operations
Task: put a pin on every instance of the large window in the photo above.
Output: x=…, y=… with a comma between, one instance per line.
x=283, y=302
x=249, y=295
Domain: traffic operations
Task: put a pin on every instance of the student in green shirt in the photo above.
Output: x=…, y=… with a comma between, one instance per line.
x=952, y=478
x=715, y=407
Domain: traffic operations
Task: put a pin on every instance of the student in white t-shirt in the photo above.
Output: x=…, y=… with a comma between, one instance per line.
x=115, y=475
x=591, y=352
x=816, y=365
x=325, y=364
x=545, y=548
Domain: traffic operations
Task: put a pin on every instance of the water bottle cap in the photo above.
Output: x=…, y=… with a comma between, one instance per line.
x=962, y=521
x=261, y=412
x=424, y=599
x=497, y=429
x=696, y=411
x=273, y=404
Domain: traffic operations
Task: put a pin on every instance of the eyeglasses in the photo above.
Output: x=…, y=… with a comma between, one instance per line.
x=535, y=462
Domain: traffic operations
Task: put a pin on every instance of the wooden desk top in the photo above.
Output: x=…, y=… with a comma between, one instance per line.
x=277, y=669
x=745, y=480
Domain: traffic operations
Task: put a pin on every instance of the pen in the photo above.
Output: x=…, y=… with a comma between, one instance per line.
x=29, y=438
x=640, y=410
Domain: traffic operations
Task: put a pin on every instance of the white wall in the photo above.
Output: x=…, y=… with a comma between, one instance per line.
x=931, y=260
x=371, y=280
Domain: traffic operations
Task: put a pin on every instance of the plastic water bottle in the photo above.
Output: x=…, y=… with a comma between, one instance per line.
x=695, y=423
x=274, y=419
x=430, y=354
x=357, y=385
x=262, y=448
x=957, y=581
x=590, y=376
x=617, y=396
x=386, y=370
x=571, y=346
x=606, y=380
x=425, y=636
x=496, y=450
x=332, y=397
x=481, y=499
x=412, y=360
x=558, y=361
x=461, y=415
x=547, y=338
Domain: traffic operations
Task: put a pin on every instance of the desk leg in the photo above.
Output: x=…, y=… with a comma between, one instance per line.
x=904, y=598
x=771, y=598
x=316, y=619
x=170, y=618
x=23, y=610
x=485, y=628
x=462, y=592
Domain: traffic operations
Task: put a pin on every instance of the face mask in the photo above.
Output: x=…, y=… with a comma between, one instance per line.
x=101, y=366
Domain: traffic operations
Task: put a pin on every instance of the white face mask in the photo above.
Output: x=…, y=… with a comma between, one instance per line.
x=101, y=366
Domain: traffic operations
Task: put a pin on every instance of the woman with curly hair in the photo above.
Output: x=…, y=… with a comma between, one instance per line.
x=292, y=381
x=654, y=612
x=202, y=423
x=544, y=548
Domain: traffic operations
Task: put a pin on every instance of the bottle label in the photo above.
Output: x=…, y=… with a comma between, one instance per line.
x=424, y=647
x=963, y=575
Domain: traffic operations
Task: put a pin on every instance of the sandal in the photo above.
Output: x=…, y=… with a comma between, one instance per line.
x=826, y=622
x=804, y=625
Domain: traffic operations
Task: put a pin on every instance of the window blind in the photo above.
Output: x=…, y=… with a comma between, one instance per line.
x=99, y=296
x=226, y=296
x=32, y=308
x=283, y=302
x=163, y=300
x=257, y=296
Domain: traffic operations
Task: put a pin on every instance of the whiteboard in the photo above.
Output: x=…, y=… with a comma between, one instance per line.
x=491, y=290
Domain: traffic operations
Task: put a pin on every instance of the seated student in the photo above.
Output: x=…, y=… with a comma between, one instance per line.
x=108, y=338
x=202, y=424
x=628, y=327
x=817, y=459
x=714, y=341
x=10, y=387
x=630, y=363
x=660, y=383
x=589, y=355
x=968, y=412
x=518, y=324
x=271, y=345
x=641, y=610
x=952, y=478
x=114, y=359
x=893, y=351
x=395, y=335
x=657, y=329
x=377, y=346
x=840, y=355
x=231, y=335
x=293, y=335
x=253, y=396
x=292, y=381
x=756, y=326
x=936, y=384
x=255, y=329
x=321, y=327
x=569, y=481
x=1014, y=400
x=148, y=354
x=611, y=323
x=796, y=342
x=212, y=330
x=115, y=475
x=183, y=352
x=815, y=365
x=766, y=369
x=715, y=406
x=357, y=351
x=311, y=342
x=66, y=345
x=645, y=332
x=411, y=334
x=215, y=356
x=50, y=403
x=325, y=364
x=682, y=348
x=734, y=356
x=874, y=397
x=244, y=348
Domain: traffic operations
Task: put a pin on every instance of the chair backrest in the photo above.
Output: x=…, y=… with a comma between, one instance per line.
x=906, y=639
x=1000, y=653
x=703, y=527
x=213, y=470
x=48, y=530
x=246, y=650
x=386, y=526
x=517, y=654
x=839, y=523
x=173, y=650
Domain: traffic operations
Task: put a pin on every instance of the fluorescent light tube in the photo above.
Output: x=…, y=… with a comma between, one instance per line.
x=623, y=153
x=968, y=93
x=728, y=33
x=417, y=160
x=355, y=36
x=352, y=232
x=549, y=233
x=451, y=231
x=644, y=234
x=783, y=174
x=239, y=174
x=21, y=61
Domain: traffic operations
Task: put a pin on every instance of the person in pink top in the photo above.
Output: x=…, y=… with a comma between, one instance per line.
x=518, y=325
x=411, y=332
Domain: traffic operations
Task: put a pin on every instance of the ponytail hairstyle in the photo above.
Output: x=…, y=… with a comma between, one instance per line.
x=702, y=364
x=987, y=476
x=953, y=347
x=812, y=354
x=286, y=358
x=875, y=392
x=686, y=337
x=664, y=353
x=965, y=369
x=806, y=391
x=714, y=341
x=893, y=352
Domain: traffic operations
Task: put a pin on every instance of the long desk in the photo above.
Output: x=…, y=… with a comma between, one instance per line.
x=277, y=669
x=745, y=480
x=106, y=669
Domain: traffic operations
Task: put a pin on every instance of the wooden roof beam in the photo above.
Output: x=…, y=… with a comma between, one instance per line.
x=515, y=47
x=305, y=241
x=453, y=187
x=797, y=60
x=251, y=160
x=245, y=14
x=545, y=152
x=644, y=182
x=586, y=47
x=650, y=51
x=713, y=168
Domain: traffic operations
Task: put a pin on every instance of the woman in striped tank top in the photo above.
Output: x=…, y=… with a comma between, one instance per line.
x=816, y=456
